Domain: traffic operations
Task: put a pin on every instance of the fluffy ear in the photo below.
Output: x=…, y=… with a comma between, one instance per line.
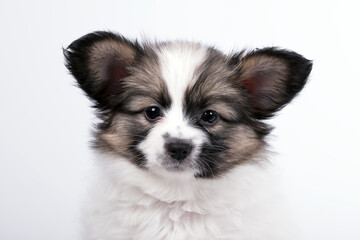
x=99, y=61
x=272, y=77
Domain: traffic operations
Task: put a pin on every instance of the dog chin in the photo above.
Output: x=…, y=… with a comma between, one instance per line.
x=168, y=168
x=173, y=166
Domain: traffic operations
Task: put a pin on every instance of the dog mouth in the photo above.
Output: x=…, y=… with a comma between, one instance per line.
x=174, y=165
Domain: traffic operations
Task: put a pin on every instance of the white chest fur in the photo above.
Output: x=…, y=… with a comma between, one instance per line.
x=129, y=203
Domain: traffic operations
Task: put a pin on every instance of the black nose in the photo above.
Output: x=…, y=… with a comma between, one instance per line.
x=179, y=150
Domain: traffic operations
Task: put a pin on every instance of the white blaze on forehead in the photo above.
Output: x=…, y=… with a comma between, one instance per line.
x=178, y=62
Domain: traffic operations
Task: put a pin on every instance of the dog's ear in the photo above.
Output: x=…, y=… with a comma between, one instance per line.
x=272, y=77
x=99, y=61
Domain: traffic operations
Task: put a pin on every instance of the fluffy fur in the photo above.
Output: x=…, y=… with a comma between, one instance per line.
x=181, y=139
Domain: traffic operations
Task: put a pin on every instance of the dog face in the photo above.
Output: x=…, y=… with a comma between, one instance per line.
x=181, y=107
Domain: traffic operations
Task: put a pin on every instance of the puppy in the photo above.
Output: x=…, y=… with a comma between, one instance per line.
x=181, y=139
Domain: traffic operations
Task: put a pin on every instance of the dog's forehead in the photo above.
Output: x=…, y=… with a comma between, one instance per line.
x=179, y=64
x=186, y=77
x=197, y=77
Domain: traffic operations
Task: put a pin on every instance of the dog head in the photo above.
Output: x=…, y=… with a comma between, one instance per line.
x=177, y=107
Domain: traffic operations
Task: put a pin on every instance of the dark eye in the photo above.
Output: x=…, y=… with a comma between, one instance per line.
x=209, y=117
x=152, y=113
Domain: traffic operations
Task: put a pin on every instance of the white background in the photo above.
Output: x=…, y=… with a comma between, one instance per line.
x=45, y=121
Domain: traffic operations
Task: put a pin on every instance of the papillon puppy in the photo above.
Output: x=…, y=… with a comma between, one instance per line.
x=180, y=144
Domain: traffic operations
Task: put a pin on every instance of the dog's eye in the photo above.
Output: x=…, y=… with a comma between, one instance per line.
x=152, y=113
x=209, y=117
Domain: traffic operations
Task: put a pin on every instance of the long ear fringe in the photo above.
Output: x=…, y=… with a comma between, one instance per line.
x=83, y=66
x=272, y=77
